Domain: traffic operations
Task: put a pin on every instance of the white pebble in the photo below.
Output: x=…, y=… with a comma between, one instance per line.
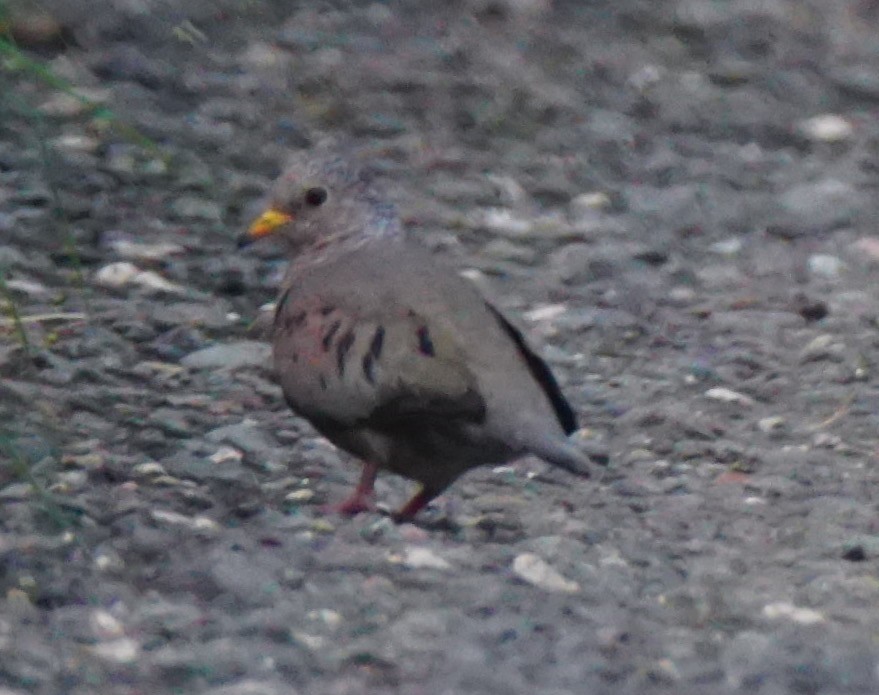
x=418, y=558
x=591, y=201
x=196, y=523
x=770, y=424
x=729, y=396
x=300, y=496
x=76, y=143
x=106, y=626
x=537, y=572
x=545, y=312
x=123, y=273
x=121, y=651
x=116, y=274
x=783, y=610
x=29, y=287
x=727, y=247
x=827, y=127
x=825, y=265
x=150, y=468
x=226, y=453
x=504, y=221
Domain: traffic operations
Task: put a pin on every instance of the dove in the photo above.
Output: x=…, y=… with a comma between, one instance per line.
x=389, y=353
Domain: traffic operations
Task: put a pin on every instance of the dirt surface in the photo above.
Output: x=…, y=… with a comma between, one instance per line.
x=676, y=200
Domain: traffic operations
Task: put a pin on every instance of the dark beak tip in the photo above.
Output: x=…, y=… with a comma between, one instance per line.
x=243, y=240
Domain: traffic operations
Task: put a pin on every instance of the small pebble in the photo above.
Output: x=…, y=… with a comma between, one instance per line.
x=300, y=496
x=503, y=221
x=788, y=611
x=537, y=572
x=76, y=143
x=421, y=558
x=854, y=553
x=545, y=312
x=121, y=651
x=727, y=247
x=121, y=274
x=591, y=201
x=771, y=424
x=729, y=396
x=827, y=127
x=196, y=523
x=244, y=353
x=105, y=625
x=825, y=266
x=226, y=453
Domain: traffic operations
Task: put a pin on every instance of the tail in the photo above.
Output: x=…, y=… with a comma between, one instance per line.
x=562, y=453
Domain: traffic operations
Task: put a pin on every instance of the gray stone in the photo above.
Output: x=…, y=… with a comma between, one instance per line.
x=244, y=353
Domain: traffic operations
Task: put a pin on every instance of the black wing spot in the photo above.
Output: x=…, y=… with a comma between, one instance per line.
x=541, y=373
x=323, y=382
x=327, y=310
x=375, y=347
x=369, y=368
x=425, y=344
x=345, y=343
x=328, y=336
x=295, y=357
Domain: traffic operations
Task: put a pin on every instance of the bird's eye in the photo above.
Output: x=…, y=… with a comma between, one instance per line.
x=316, y=196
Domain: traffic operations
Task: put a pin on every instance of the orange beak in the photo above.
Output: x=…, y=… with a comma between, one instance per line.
x=264, y=225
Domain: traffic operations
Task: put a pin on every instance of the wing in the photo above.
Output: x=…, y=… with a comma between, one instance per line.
x=346, y=361
x=541, y=373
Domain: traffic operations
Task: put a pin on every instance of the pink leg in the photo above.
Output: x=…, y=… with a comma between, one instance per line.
x=415, y=505
x=361, y=499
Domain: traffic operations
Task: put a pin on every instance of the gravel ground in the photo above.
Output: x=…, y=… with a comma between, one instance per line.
x=677, y=200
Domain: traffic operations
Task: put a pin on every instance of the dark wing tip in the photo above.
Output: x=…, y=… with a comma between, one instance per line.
x=541, y=373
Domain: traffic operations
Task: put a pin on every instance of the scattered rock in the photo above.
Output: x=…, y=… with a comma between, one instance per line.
x=535, y=571
x=797, y=614
x=244, y=353
x=825, y=266
x=420, y=558
x=197, y=523
x=828, y=127
x=854, y=553
x=121, y=651
x=123, y=273
x=729, y=396
x=771, y=424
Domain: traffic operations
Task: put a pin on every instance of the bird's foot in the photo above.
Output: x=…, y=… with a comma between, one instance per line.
x=363, y=497
x=413, y=506
x=356, y=503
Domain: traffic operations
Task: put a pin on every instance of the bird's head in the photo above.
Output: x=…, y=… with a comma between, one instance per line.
x=318, y=198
